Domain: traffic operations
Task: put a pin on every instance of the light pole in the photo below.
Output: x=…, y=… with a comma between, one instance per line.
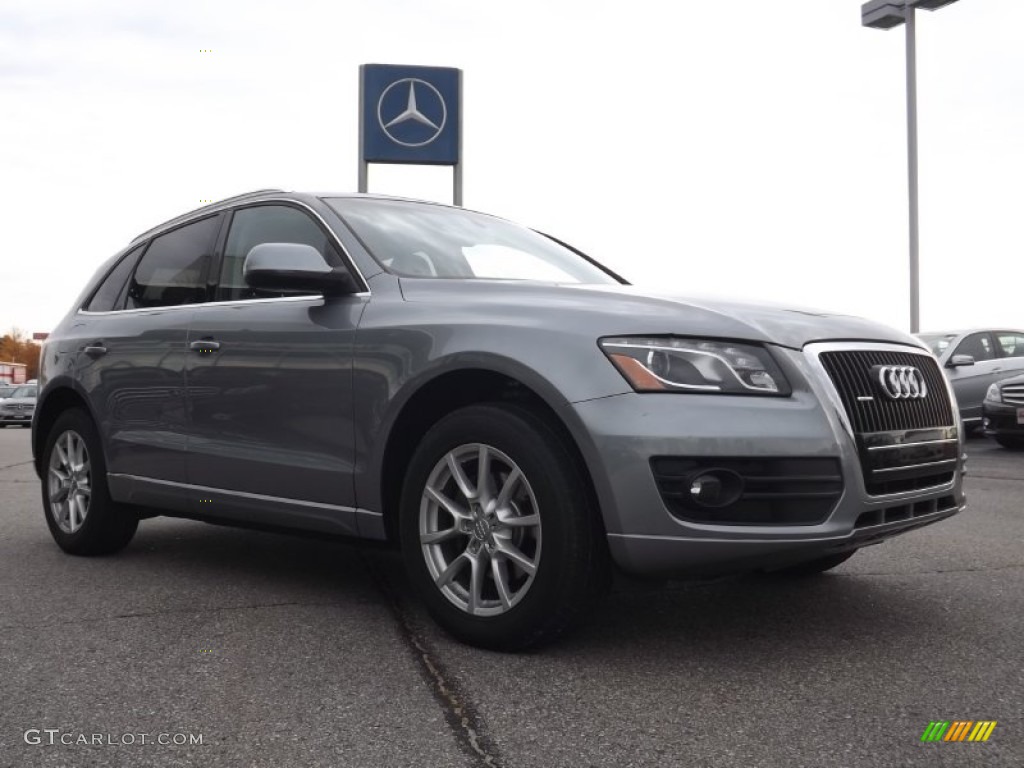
x=886, y=14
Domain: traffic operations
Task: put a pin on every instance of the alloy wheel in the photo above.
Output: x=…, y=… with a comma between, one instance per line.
x=480, y=529
x=69, y=483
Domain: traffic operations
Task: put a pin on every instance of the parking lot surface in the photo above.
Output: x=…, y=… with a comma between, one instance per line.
x=286, y=651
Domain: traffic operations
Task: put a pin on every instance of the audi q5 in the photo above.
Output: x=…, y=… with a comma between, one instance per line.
x=515, y=417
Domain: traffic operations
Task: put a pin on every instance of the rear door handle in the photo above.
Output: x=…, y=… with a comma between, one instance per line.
x=204, y=346
x=95, y=350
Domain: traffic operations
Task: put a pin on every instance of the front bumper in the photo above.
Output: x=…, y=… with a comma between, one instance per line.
x=1000, y=419
x=20, y=417
x=626, y=431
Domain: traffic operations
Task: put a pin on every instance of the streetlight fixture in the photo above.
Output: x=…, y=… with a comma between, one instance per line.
x=886, y=14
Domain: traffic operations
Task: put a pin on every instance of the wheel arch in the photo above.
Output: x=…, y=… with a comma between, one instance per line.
x=61, y=394
x=447, y=390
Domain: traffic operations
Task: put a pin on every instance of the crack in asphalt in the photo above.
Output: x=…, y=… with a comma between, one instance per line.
x=459, y=711
x=1010, y=567
x=166, y=612
x=12, y=466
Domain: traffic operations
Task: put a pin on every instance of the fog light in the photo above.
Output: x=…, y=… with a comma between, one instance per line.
x=715, y=488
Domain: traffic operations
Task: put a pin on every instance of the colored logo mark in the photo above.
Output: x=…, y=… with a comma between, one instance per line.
x=958, y=730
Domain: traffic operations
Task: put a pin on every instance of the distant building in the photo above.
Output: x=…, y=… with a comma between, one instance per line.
x=13, y=373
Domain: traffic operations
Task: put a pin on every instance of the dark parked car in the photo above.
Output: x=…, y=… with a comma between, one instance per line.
x=18, y=406
x=513, y=415
x=1004, y=413
x=973, y=360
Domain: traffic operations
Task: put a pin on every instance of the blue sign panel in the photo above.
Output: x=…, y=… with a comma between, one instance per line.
x=410, y=114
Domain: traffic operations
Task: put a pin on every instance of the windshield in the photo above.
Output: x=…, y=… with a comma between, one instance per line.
x=937, y=342
x=6, y=391
x=423, y=240
x=24, y=392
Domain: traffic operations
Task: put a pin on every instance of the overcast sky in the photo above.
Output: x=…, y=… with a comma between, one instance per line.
x=699, y=147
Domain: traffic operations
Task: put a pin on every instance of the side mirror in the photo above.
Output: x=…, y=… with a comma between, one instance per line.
x=956, y=361
x=295, y=267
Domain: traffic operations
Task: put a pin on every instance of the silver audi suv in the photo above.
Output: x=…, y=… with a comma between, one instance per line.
x=514, y=416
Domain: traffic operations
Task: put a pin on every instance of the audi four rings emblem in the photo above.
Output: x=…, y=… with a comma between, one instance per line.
x=902, y=382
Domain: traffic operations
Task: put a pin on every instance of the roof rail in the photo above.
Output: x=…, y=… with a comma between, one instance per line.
x=196, y=211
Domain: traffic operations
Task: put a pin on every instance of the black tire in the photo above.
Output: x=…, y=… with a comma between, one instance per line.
x=572, y=566
x=106, y=526
x=814, y=567
x=1011, y=443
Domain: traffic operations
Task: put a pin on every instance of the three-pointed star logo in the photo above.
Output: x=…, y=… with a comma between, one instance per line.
x=424, y=115
x=411, y=112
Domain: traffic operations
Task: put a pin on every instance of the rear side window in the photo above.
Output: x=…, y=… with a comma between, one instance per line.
x=173, y=269
x=1012, y=344
x=106, y=296
x=266, y=224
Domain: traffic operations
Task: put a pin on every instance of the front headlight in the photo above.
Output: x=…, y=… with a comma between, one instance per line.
x=994, y=395
x=695, y=365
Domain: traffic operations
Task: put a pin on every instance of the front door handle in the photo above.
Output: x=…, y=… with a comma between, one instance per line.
x=95, y=350
x=204, y=346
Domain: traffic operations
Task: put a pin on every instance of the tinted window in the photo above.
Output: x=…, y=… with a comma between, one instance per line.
x=266, y=224
x=106, y=296
x=173, y=270
x=1012, y=344
x=978, y=346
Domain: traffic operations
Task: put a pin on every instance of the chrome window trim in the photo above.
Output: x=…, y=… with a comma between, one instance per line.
x=231, y=205
x=317, y=297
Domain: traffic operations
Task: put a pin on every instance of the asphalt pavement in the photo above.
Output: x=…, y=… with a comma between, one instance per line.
x=283, y=651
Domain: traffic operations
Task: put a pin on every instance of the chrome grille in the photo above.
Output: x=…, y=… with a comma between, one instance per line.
x=870, y=410
x=905, y=444
x=1013, y=394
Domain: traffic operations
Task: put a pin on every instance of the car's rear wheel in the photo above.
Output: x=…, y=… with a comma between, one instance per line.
x=82, y=517
x=814, y=567
x=497, y=531
x=1011, y=443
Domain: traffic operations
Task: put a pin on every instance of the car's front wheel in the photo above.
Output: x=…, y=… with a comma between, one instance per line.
x=82, y=517
x=497, y=530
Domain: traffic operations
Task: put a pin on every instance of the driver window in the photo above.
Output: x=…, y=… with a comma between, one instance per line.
x=266, y=224
x=978, y=346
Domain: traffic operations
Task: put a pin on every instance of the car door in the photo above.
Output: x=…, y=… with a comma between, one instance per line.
x=269, y=382
x=131, y=361
x=971, y=381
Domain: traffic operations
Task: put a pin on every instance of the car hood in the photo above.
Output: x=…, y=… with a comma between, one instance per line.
x=629, y=310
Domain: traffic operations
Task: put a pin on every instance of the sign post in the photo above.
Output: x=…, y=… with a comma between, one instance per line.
x=410, y=115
